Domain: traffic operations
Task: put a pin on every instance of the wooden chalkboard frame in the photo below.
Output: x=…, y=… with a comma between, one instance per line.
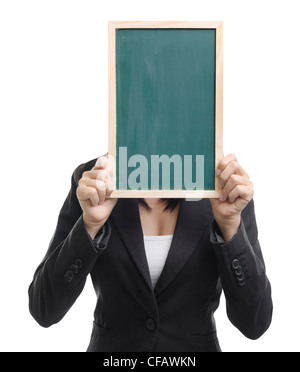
x=218, y=26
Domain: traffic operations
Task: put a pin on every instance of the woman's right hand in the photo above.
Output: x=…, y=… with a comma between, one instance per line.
x=93, y=191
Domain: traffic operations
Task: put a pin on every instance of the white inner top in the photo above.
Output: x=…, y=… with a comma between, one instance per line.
x=157, y=249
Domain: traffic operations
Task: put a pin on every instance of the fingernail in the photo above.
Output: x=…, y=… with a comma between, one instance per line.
x=218, y=172
x=221, y=184
x=222, y=197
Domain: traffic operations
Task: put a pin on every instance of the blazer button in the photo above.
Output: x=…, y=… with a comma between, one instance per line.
x=241, y=277
x=74, y=268
x=235, y=264
x=69, y=276
x=238, y=271
x=150, y=324
x=79, y=263
x=242, y=283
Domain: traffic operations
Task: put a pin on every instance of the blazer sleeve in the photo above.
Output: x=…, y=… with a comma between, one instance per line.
x=71, y=255
x=243, y=277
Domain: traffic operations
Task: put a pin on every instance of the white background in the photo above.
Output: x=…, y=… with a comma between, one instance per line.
x=53, y=115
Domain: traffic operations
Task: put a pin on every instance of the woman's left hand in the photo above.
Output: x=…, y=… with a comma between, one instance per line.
x=237, y=191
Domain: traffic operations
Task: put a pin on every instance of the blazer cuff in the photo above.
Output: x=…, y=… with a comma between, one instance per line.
x=78, y=254
x=101, y=239
x=236, y=257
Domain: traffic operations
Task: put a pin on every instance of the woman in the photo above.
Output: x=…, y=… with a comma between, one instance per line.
x=158, y=266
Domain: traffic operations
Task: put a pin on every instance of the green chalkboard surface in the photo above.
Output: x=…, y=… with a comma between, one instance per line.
x=165, y=104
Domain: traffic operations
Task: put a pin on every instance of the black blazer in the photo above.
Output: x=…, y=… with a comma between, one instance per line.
x=178, y=315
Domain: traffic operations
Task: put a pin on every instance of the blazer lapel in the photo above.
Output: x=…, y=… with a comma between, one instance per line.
x=126, y=219
x=193, y=219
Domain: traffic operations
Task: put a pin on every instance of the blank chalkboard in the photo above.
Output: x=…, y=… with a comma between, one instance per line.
x=165, y=108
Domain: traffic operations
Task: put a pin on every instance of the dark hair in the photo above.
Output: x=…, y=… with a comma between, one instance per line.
x=170, y=204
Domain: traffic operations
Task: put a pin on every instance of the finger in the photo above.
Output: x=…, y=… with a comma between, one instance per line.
x=98, y=185
x=85, y=193
x=101, y=191
x=107, y=163
x=224, y=162
x=111, y=182
x=240, y=191
x=231, y=168
x=101, y=163
x=111, y=168
x=101, y=175
x=109, y=187
x=234, y=180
